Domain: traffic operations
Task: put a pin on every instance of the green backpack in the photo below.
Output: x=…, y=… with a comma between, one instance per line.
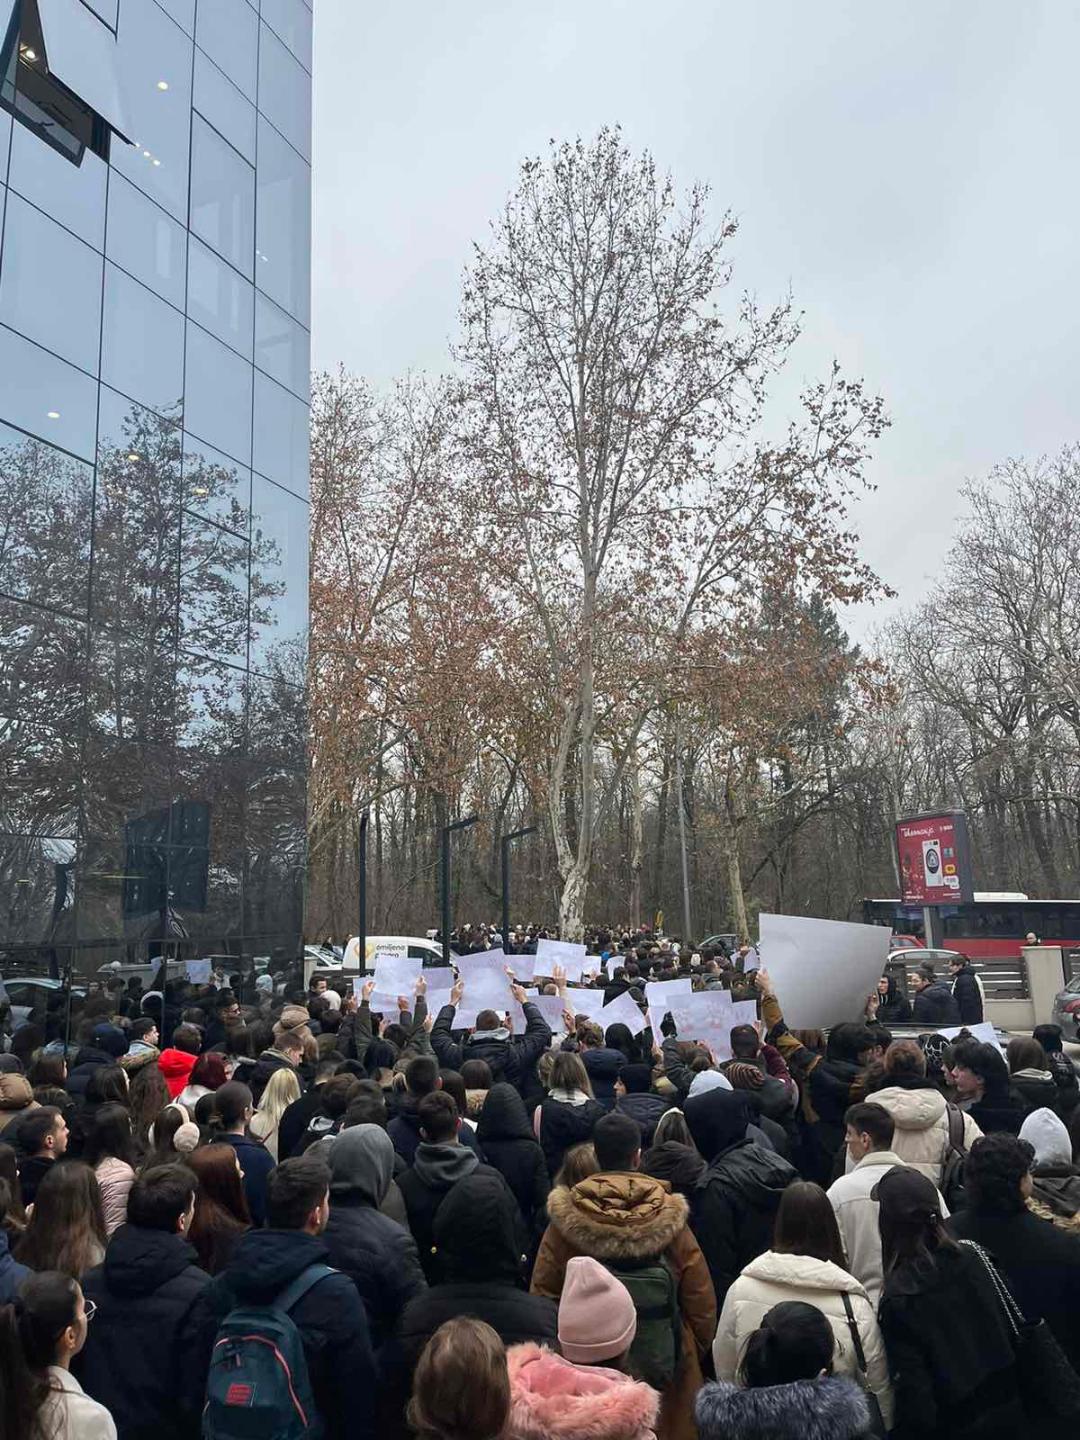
x=654, y=1355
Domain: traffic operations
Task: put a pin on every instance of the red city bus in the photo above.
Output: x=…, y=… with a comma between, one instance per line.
x=993, y=927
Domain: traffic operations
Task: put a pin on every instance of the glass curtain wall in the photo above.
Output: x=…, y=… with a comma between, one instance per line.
x=154, y=366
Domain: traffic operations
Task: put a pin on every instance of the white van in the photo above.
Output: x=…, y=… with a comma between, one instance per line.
x=416, y=947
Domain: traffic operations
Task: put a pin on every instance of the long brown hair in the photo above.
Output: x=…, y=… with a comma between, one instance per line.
x=66, y=1230
x=14, y=1217
x=29, y=1335
x=568, y=1073
x=149, y=1096
x=806, y=1224
x=461, y=1388
x=221, y=1208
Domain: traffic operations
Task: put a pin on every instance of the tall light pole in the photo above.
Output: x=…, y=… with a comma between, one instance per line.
x=361, y=933
x=505, y=843
x=447, y=831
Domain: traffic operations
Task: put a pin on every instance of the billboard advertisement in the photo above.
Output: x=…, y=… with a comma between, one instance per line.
x=935, y=859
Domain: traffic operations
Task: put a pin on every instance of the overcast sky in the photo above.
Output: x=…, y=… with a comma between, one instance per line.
x=909, y=172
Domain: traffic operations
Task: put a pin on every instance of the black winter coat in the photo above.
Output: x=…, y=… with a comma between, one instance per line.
x=87, y=1061
x=733, y=1209
x=148, y=1350
x=1037, y=1090
x=646, y=1108
x=258, y=1076
x=404, y=1131
x=425, y=1187
x=563, y=1125
x=999, y=1114
x=510, y=1059
x=331, y=1319
x=295, y=1121
x=968, y=997
x=510, y=1147
x=1040, y=1263
x=380, y=1258
x=935, y=1006
x=950, y=1353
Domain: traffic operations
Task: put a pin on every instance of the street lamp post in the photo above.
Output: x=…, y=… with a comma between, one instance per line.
x=506, y=842
x=447, y=831
x=361, y=934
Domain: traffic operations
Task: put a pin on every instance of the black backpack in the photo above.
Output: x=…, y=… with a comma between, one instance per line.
x=952, y=1160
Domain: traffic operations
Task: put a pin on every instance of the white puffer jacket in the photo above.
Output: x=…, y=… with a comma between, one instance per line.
x=773, y=1278
x=922, y=1128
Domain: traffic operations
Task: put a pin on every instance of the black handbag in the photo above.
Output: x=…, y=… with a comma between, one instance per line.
x=1048, y=1384
x=877, y=1420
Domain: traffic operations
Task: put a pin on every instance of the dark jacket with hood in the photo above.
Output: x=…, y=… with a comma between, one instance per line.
x=999, y=1112
x=935, y=1006
x=330, y=1318
x=603, y=1067
x=950, y=1352
x=12, y=1274
x=828, y=1408
x=481, y=1264
x=738, y=1194
x=435, y=1171
x=105, y=1051
x=894, y=1009
x=831, y=1087
x=563, y=1125
x=1067, y=1081
x=256, y=1162
x=510, y=1057
x=292, y=1129
x=968, y=996
x=148, y=1350
x=646, y=1108
x=404, y=1131
x=1040, y=1264
x=626, y=1218
x=1037, y=1090
x=510, y=1147
x=680, y=1165
x=258, y=1076
x=377, y=1253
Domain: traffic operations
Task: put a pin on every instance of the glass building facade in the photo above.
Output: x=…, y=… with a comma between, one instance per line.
x=154, y=386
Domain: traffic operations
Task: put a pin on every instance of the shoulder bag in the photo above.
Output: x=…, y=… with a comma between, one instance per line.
x=877, y=1422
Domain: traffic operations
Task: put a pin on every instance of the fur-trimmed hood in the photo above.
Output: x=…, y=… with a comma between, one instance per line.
x=621, y=1216
x=829, y=1409
x=550, y=1399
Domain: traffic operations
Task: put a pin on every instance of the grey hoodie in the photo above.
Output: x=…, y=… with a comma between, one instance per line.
x=440, y=1166
x=361, y=1161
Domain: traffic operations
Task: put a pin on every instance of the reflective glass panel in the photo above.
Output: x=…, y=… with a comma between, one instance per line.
x=146, y=242
x=37, y=883
x=46, y=499
x=142, y=345
x=42, y=669
x=47, y=396
x=72, y=194
x=210, y=705
x=277, y=715
x=222, y=196
x=106, y=9
x=154, y=52
x=220, y=299
x=228, y=30
x=273, y=900
x=282, y=347
x=182, y=11
x=290, y=20
x=216, y=487
x=283, y=233
x=228, y=111
x=281, y=435
x=284, y=92
x=279, y=573
x=136, y=522
x=218, y=397
x=213, y=591
x=50, y=286
x=276, y=812
x=132, y=682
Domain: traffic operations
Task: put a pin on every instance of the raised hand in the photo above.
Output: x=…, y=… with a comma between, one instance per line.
x=368, y=990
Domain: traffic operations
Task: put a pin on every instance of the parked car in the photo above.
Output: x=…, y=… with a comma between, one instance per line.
x=28, y=993
x=907, y=942
x=1066, y=1011
x=910, y=956
x=417, y=947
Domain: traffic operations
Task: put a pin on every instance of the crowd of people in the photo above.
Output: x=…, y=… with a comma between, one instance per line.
x=297, y=1217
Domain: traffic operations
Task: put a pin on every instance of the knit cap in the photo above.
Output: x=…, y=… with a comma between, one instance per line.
x=597, y=1319
x=706, y=1080
x=1048, y=1137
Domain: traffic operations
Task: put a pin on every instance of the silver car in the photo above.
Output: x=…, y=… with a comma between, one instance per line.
x=1066, y=1011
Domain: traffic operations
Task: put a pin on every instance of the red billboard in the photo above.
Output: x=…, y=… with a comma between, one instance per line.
x=935, y=859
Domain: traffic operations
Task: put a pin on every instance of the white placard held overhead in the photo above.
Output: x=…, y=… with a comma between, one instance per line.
x=551, y=1008
x=622, y=1011
x=585, y=1002
x=482, y=960
x=563, y=953
x=523, y=966
x=743, y=1012
x=822, y=970
x=396, y=974
x=751, y=960
x=984, y=1032
x=198, y=971
x=439, y=981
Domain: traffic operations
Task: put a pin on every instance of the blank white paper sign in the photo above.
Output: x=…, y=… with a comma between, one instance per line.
x=822, y=970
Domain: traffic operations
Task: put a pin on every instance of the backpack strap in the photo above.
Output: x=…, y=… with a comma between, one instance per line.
x=956, y=1127
x=849, y=1311
x=294, y=1293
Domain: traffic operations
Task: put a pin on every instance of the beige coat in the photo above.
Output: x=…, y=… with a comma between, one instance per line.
x=115, y=1177
x=773, y=1278
x=922, y=1128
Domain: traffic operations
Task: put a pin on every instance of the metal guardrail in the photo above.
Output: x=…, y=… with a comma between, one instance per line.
x=1004, y=979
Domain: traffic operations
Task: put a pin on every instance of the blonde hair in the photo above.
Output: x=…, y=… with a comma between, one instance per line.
x=461, y=1387
x=579, y=1163
x=569, y=1073
x=282, y=1089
